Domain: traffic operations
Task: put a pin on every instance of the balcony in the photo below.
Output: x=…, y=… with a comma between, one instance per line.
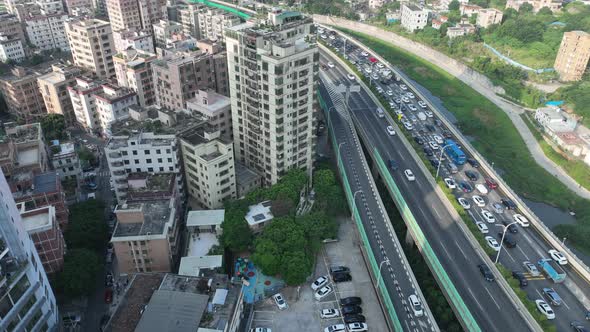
x=115, y=155
x=117, y=164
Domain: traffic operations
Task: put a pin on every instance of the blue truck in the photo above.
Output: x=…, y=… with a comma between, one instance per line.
x=552, y=270
x=454, y=152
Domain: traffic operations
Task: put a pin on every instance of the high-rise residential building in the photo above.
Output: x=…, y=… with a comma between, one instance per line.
x=92, y=46
x=11, y=27
x=11, y=49
x=134, y=14
x=146, y=238
x=212, y=23
x=47, y=32
x=272, y=72
x=134, y=71
x=136, y=147
x=77, y=7
x=98, y=105
x=54, y=89
x=413, y=17
x=28, y=300
x=209, y=166
x=141, y=40
x=213, y=108
x=22, y=95
x=164, y=30
x=188, y=17
x=489, y=16
x=178, y=77
x=572, y=58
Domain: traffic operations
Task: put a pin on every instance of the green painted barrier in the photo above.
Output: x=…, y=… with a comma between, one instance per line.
x=350, y=198
x=223, y=7
x=425, y=247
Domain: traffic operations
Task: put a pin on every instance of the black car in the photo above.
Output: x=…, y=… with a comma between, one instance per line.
x=353, y=300
x=465, y=186
x=351, y=310
x=434, y=163
x=474, y=163
x=447, y=134
x=393, y=165
x=336, y=269
x=522, y=280
x=512, y=228
x=471, y=175
x=578, y=326
x=428, y=152
x=430, y=127
x=486, y=272
x=341, y=277
x=508, y=203
x=509, y=241
x=437, y=122
x=419, y=140
x=349, y=319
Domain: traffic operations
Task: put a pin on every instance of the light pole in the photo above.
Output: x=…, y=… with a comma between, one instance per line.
x=386, y=260
x=502, y=240
x=439, y=158
x=563, y=241
x=338, y=152
x=354, y=202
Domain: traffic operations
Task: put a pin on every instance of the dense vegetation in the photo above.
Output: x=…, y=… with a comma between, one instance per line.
x=494, y=136
x=334, y=8
x=289, y=244
x=577, y=97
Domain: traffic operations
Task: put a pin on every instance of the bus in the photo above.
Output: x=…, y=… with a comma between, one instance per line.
x=454, y=152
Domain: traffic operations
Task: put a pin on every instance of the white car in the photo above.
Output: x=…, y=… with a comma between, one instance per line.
x=335, y=328
x=390, y=131
x=368, y=70
x=438, y=139
x=410, y=95
x=379, y=65
x=357, y=327
x=433, y=145
x=405, y=100
x=351, y=77
x=320, y=282
x=412, y=107
x=492, y=243
x=481, y=188
x=260, y=329
x=488, y=216
x=483, y=228
x=363, y=53
x=429, y=114
x=280, y=301
x=329, y=313
x=558, y=256
x=450, y=183
x=464, y=203
x=545, y=309
x=379, y=89
x=521, y=220
x=330, y=64
x=413, y=118
x=531, y=268
x=422, y=104
x=389, y=92
x=408, y=126
x=409, y=175
x=416, y=305
x=403, y=87
x=478, y=201
x=332, y=37
x=323, y=292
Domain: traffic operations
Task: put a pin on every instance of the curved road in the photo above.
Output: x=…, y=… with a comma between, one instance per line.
x=477, y=81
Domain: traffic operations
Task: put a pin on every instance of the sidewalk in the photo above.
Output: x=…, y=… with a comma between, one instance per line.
x=476, y=80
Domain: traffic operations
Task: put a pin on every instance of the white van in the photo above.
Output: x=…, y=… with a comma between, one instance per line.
x=416, y=305
x=380, y=112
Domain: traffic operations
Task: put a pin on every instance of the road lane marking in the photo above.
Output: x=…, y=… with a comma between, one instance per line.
x=491, y=297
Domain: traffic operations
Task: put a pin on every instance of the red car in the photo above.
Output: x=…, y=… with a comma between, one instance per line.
x=108, y=295
x=491, y=183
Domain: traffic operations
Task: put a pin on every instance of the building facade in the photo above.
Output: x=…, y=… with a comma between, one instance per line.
x=212, y=23
x=164, y=30
x=553, y=5
x=572, y=58
x=413, y=17
x=54, y=90
x=27, y=297
x=489, y=16
x=11, y=49
x=134, y=71
x=64, y=159
x=141, y=40
x=272, y=73
x=92, y=46
x=22, y=95
x=48, y=32
x=213, y=108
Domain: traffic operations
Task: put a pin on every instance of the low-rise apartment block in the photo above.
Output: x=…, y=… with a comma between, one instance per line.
x=22, y=149
x=572, y=58
x=134, y=71
x=47, y=32
x=212, y=23
x=54, y=89
x=22, y=95
x=98, y=105
x=208, y=166
x=164, y=30
x=78, y=7
x=11, y=27
x=553, y=5
x=92, y=46
x=489, y=16
x=188, y=17
x=469, y=10
x=64, y=159
x=11, y=49
x=141, y=40
x=413, y=17
x=460, y=30
x=213, y=108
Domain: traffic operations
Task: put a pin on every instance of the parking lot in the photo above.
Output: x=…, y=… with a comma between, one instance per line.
x=303, y=313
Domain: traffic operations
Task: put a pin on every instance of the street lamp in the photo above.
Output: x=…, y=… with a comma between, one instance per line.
x=386, y=260
x=502, y=240
x=439, y=158
x=356, y=192
x=338, y=152
x=354, y=202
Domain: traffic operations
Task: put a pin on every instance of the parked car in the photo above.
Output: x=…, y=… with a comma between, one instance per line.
x=323, y=292
x=512, y=228
x=491, y=183
x=509, y=241
x=354, y=319
x=508, y=203
x=329, y=313
x=339, y=268
x=474, y=163
x=545, y=309
x=478, y=200
x=428, y=151
x=486, y=272
x=464, y=203
x=357, y=327
x=521, y=220
x=450, y=183
x=483, y=228
x=498, y=208
x=465, y=187
x=488, y=216
x=260, y=329
x=352, y=300
x=108, y=295
x=280, y=301
x=522, y=280
x=335, y=328
x=492, y=243
x=341, y=277
x=320, y=282
x=351, y=310
x=578, y=326
x=481, y=189
x=471, y=175
x=419, y=140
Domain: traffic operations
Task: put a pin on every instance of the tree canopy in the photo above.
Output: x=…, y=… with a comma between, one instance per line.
x=54, y=127
x=86, y=227
x=81, y=268
x=454, y=5
x=236, y=235
x=329, y=193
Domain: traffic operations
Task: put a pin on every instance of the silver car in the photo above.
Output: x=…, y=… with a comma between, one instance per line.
x=531, y=268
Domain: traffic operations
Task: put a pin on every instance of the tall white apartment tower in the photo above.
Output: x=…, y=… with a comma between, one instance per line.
x=92, y=45
x=272, y=69
x=28, y=303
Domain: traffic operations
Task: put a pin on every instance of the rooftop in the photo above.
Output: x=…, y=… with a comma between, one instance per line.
x=45, y=183
x=192, y=265
x=208, y=102
x=413, y=7
x=199, y=244
x=38, y=220
x=23, y=133
x=173, y=311
x=205, y=218
x=156, y=214
x=259, y=213
x=203, y=134
x=244, y=175
x=63, y=149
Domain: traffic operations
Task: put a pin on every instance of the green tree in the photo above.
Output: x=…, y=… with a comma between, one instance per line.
x=329, y=194
x=297, y=267
x=86, y=227
x=267, y=256
x=545, y=11
x=454, y=5
x=509, y=13
x=78, y=278
x=88, y=156
x=525, y=8
x=236, y=235
x=54, y=127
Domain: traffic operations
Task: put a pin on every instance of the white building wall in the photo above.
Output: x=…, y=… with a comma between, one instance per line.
x=48, y=32
x=12, y=50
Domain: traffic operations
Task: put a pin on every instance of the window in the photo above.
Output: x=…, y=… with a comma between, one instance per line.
x=136, y=161
x=135, y=153
x=159, y=160
x=149, y=161
x=169, y=160
x=146, y=151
